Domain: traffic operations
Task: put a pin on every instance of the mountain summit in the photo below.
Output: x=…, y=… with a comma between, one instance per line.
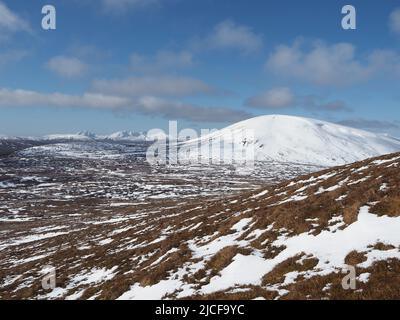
x=79, y=136
x=302, y=140
x=127, y=135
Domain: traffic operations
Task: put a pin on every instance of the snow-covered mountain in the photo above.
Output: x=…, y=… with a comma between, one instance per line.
x=127, y=135
x=4, y=137
x=298, y=140
x=87, y=136
x=80, y=136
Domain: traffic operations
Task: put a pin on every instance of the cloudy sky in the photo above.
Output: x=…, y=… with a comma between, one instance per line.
x=135, y=64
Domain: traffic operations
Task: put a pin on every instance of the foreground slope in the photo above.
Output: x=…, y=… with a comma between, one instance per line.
x=301, y=140
x=287, y=241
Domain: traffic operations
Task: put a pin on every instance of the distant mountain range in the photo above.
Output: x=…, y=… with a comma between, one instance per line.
x=87, y=136
x=274, y=138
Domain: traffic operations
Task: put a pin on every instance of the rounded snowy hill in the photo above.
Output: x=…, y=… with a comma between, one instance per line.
x=302, y=140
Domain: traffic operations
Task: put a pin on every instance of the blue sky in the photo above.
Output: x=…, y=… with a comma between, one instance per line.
x=135, y=64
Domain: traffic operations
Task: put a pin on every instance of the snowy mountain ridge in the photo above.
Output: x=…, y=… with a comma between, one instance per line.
x=299, y=140
x=87, y=136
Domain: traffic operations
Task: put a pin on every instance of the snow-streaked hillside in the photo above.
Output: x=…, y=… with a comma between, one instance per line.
x=76, y=150
x=290, y=240
x=298, y=140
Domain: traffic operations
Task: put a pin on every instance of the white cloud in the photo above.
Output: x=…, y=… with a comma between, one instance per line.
x=229, y=35
x=273, y=98
x=394, y=21
x=68, y=67
x=316, y=103
x=147, y=105
x=155, y=86
x=162, y=60
x=26, y=98
x=178, y=110
x=384, y=62
x=283, y=97
x=11, y=56
x=368, y=124
x=336, y=64
x=323, y=64
x=120, y=6
x=10, y=21
x=85, y=51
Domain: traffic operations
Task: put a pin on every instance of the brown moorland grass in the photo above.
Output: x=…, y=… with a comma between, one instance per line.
x=159, y=226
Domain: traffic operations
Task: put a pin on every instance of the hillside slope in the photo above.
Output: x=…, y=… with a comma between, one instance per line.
x=299, y=140
x=10, y=145
x=288, y=241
